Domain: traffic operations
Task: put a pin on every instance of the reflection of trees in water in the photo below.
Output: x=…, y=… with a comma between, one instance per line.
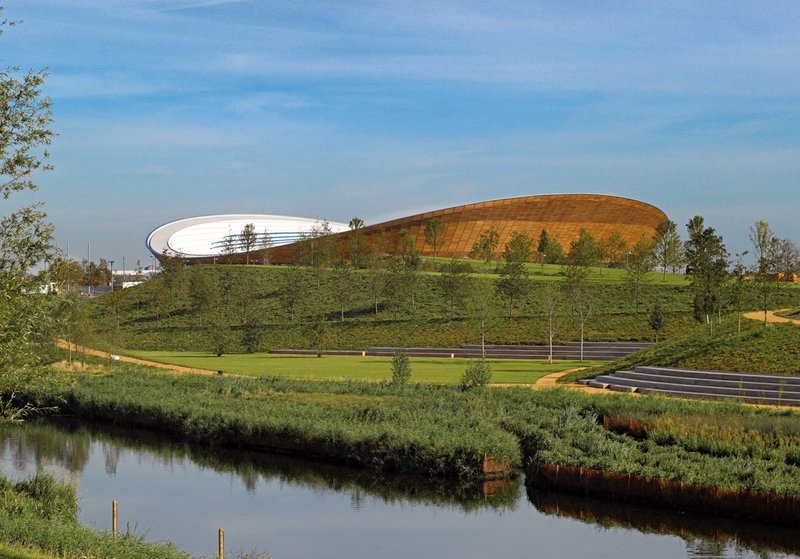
x=705, y=536
x=42, y=446
x=68, y=444
x=111, y=455
x=706, y=548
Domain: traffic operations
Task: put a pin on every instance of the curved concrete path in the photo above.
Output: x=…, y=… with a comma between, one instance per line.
x=125, y=359
x=551, y=381
x=771, y=317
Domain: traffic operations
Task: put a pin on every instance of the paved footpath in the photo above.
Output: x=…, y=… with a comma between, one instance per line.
x=106, y=355
x=550, y=381
x=771, y=317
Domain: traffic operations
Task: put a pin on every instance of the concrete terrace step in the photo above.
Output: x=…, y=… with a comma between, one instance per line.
x=715, y=382
x=763, y=389
x=711, y=375
x=613, y=380
x=703, y=396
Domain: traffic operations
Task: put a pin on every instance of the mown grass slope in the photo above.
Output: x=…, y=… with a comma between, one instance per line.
x=284, y=307
x=165, y=314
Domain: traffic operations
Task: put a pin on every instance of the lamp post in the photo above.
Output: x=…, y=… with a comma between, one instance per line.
x=111, y=263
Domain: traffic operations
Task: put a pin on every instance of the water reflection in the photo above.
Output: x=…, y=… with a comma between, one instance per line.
x=705, y=536
x=291, y=507
x=65, y=446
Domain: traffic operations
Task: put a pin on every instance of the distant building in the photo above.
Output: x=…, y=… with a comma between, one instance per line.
x=201, y=239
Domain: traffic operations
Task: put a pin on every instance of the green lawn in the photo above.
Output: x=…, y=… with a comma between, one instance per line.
x=446, y=371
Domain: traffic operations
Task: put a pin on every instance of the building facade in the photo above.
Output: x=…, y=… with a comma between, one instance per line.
x=561, y=215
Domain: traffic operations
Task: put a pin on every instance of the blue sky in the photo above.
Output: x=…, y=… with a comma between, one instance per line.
x=172, y=108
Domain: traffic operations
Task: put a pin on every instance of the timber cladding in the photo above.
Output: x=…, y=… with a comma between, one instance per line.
x=562, y=215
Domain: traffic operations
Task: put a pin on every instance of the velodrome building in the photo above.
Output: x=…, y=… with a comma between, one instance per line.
x=202, y=239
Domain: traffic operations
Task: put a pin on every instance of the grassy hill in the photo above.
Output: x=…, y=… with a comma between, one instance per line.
x=166, y=312
x=774, y=350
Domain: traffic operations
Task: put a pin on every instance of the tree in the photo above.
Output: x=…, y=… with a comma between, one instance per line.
x=454, y=285
x=264, y=244
x=356, y=247
x=667, y=247
x=65, y=272
x=293, y=290
x=613, y=249
x=400, y=285
x=377, y=277
x=218, y=331
x=641, y=262
x=229, y=245
x=765, y=248
x=513, y=283
x=26, y=240
x=584, y=252
x=317, y=333
x=401, y=367
x=549, y=250
x=408, y=249
x=518, y=249
x=252, y=334
x=247, y=240
x=486, y=246
x=736, y=287
x=434, y=234
x=708, y=261
x=552, y=304
x=656, y=321
x=318, y=249
x=483, y=309
x=578, y=262
x=477, y=374
x=203, y=291
x=581, y=296
x=342, y=285
x=74, y=322
x=96, y=274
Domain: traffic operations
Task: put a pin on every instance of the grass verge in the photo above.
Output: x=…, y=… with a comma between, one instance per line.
x=38, y=519
x=334, y=367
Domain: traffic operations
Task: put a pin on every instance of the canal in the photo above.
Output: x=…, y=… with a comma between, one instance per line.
x=294, y=508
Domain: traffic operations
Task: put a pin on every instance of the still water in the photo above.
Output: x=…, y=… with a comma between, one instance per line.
x=293, y=508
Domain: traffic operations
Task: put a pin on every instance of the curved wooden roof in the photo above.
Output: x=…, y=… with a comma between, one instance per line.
x=563, y=215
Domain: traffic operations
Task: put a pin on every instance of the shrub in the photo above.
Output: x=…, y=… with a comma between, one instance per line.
x=478, y=373
x=401, y=368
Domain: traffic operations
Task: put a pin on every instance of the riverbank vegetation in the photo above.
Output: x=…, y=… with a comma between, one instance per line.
x=445, y=431
x=39, y=515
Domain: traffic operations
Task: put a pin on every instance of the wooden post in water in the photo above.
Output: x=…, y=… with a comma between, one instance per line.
x=114, y=518
x=221, y=544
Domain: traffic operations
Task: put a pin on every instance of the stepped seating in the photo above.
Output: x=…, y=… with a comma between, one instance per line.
x=756, y=389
